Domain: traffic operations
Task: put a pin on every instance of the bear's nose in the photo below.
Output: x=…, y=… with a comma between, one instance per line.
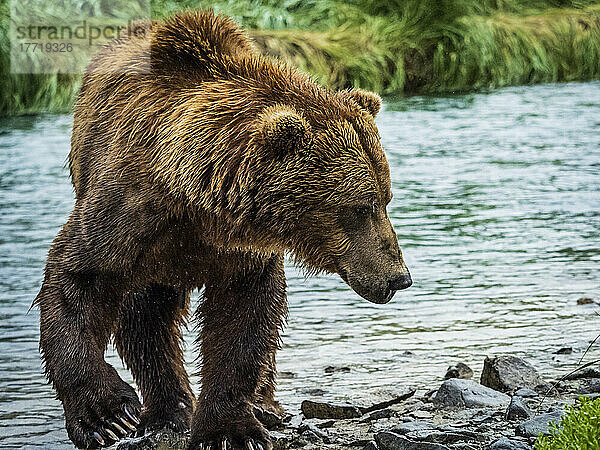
x=399, y=282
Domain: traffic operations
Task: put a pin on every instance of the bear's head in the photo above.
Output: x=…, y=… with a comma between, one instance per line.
x=323, y=188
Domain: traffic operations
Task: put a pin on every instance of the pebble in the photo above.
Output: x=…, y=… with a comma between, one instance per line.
x=468, y=394
x=508, y=373
x=585, y=301
x=460, y=370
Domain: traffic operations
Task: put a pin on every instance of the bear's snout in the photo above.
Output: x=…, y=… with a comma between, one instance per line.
x=400, y=282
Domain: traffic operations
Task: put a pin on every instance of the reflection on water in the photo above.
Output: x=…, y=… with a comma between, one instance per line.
x=497, y=208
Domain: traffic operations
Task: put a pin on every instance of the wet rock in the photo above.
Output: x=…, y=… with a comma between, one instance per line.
x=280, y=441
x=387, y=440
x=285, y=375
x=378, y=415
x=420, y=414
x=383, y=399
x=526, y=393
x=564, y=351
x=539, y=424
x=371, y=446
x=508, y=373
x=320, y=410
x=585, y=301
x=314, y=392
x=326, y=424
x=422, y=431
x=509, y=444
x=468, y=394
x=270, y=420
x=588, y=386
x=460, y=370
x=157, y=440
x=546, y=389
x=413, y=426
x=517, y=409
x=589, y=372
x=311, y=433
x=333, y=369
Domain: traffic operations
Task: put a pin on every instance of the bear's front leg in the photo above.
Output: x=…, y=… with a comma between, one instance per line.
x=241, y=312
x=76, y=316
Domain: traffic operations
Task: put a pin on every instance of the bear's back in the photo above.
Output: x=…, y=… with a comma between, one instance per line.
x=137, y=74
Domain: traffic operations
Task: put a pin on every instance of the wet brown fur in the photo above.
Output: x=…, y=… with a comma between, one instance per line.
x=197, y=162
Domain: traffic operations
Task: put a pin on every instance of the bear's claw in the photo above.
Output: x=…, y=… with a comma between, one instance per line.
x=131, y=416
x=99, y=439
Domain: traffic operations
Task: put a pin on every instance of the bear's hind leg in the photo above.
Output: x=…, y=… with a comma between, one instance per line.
x=77, y=313
x=240, y=311
x=149, y=339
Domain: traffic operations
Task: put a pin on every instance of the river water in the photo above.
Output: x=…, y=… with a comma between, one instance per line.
x=497, y=209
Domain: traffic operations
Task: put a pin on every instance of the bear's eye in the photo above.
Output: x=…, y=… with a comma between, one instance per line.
x=365, y=210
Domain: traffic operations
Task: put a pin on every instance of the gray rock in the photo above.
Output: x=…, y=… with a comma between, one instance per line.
x=460, y=370
x=308, y=430
x=320, y=410
x=589, y=372
x=270, y=420
x=546, y=389
x=469, y=394
x=333, y=369
x=387, y=440
x=585, y=301
x=281, y=441
x=564, y=351
x=508, y=373
x=588, y=386
x=412, y=426
x=383, y=399
x=539, y=424
x=378, y=415
x=509, y=444
x=157, y=440
x=517, y=409
x=425, y=431
x=526, y=393
x=371, y=446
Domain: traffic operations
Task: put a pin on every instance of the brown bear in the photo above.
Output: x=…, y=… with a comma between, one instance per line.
x=197, y=162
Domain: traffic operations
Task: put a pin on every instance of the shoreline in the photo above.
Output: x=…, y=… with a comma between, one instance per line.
x=391, y=52
x=458, y=414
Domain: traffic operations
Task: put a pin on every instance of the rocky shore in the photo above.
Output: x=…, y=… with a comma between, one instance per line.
x=506, y=410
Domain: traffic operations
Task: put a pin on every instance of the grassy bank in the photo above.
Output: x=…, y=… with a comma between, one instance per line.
x=579, y=429
x=391, y=47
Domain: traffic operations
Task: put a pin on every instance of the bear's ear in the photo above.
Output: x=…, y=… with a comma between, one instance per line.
x=368, y=101
x=283, y=129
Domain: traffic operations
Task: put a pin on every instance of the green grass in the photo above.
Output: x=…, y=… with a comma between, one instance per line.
x=391, y=47
x=578, y=430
